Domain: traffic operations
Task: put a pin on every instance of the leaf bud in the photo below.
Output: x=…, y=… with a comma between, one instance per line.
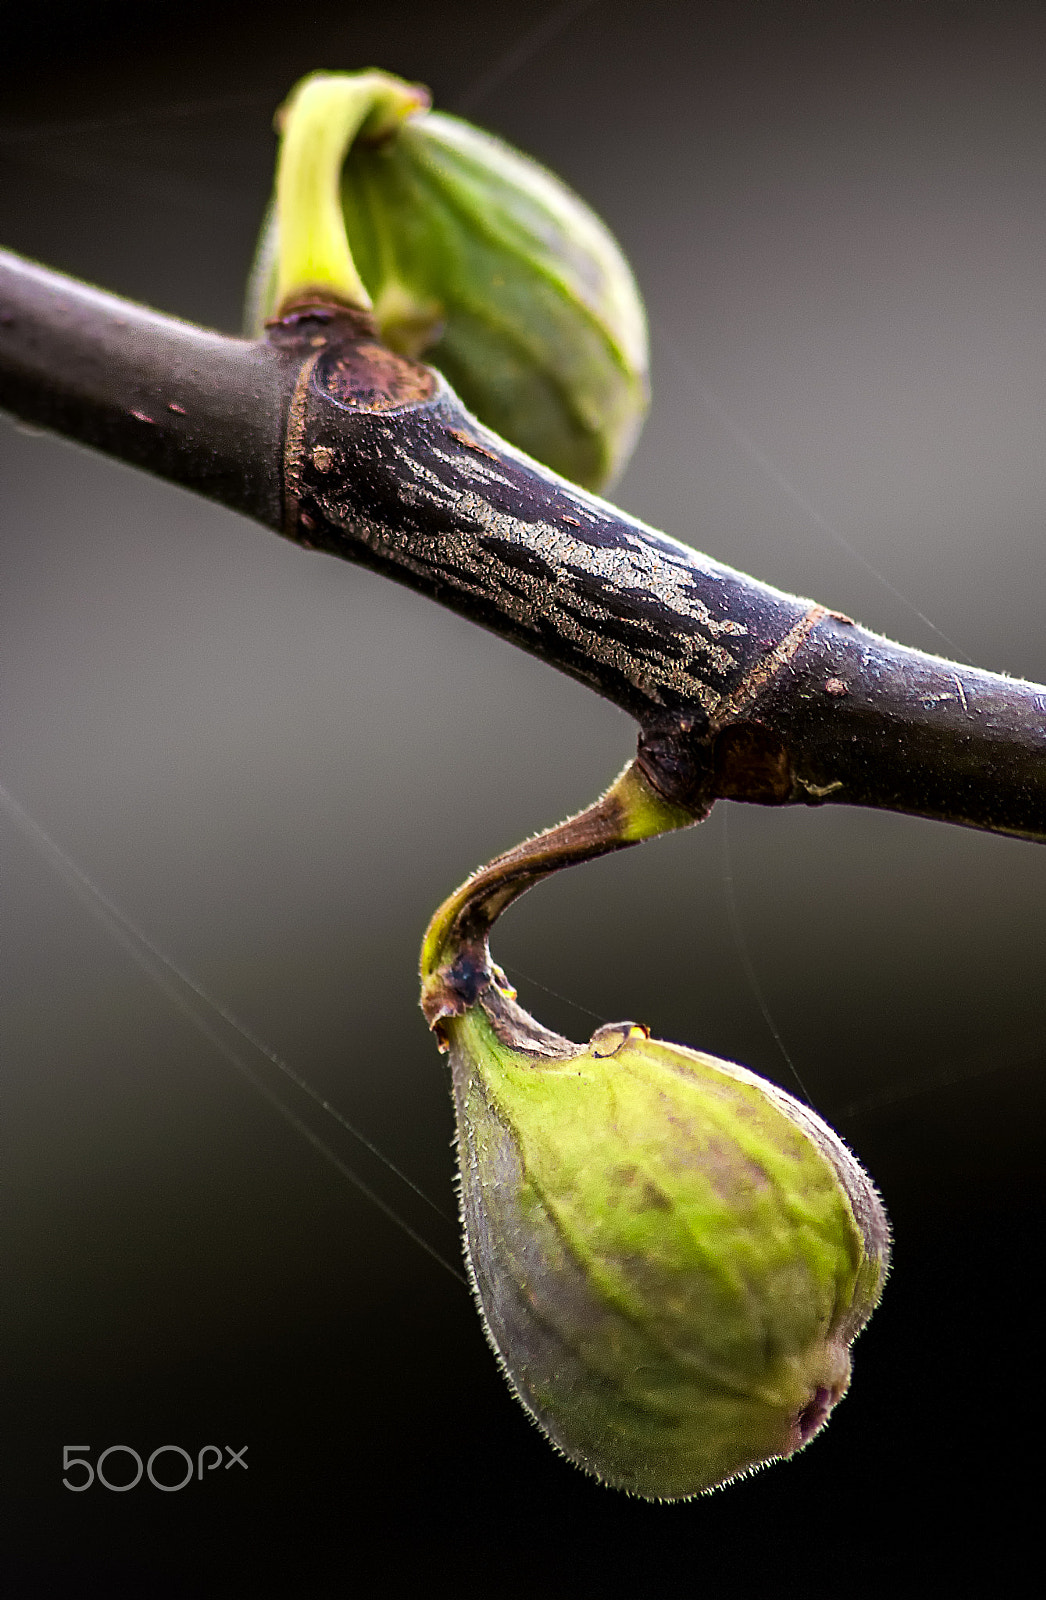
x=476, y=258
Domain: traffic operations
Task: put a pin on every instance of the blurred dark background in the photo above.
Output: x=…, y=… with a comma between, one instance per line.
x=278, y=765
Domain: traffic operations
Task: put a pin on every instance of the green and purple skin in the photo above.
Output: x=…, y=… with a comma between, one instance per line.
x=672, y=1256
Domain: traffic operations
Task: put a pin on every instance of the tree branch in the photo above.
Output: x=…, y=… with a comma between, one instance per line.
x=740, y=691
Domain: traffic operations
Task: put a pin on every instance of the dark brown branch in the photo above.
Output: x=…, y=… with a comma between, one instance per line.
x=196, y=407
x=741, y=691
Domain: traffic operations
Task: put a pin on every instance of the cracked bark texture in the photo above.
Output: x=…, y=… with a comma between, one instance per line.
x=740, y=690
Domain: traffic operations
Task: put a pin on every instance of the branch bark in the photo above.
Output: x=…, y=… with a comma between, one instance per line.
x=740, y=691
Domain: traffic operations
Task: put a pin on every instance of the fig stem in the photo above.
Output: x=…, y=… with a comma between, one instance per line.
x=455, y=958
x=318, y=124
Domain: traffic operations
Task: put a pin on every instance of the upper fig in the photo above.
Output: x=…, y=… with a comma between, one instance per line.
x=480, y=261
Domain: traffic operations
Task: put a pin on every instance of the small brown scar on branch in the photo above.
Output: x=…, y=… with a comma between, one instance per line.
x=763, y=673
x=835, y=686
x=292, y=449
x=470, y=443
x=819, y=791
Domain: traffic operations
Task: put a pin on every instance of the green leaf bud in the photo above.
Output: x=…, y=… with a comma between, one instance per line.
x=672, y=1256
x=477, y=259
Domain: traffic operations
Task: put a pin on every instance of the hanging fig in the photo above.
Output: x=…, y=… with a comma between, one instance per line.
x=672, y=1256
x=470, y=255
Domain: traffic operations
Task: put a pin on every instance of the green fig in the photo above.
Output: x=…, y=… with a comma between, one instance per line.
x=672, y=1256
x=471, y=256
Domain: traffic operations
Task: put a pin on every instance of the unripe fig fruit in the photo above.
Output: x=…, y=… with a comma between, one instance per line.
x=672, y=1256
x=479, y=260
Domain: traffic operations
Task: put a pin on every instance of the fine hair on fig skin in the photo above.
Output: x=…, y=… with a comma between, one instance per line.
x=646, y=1364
